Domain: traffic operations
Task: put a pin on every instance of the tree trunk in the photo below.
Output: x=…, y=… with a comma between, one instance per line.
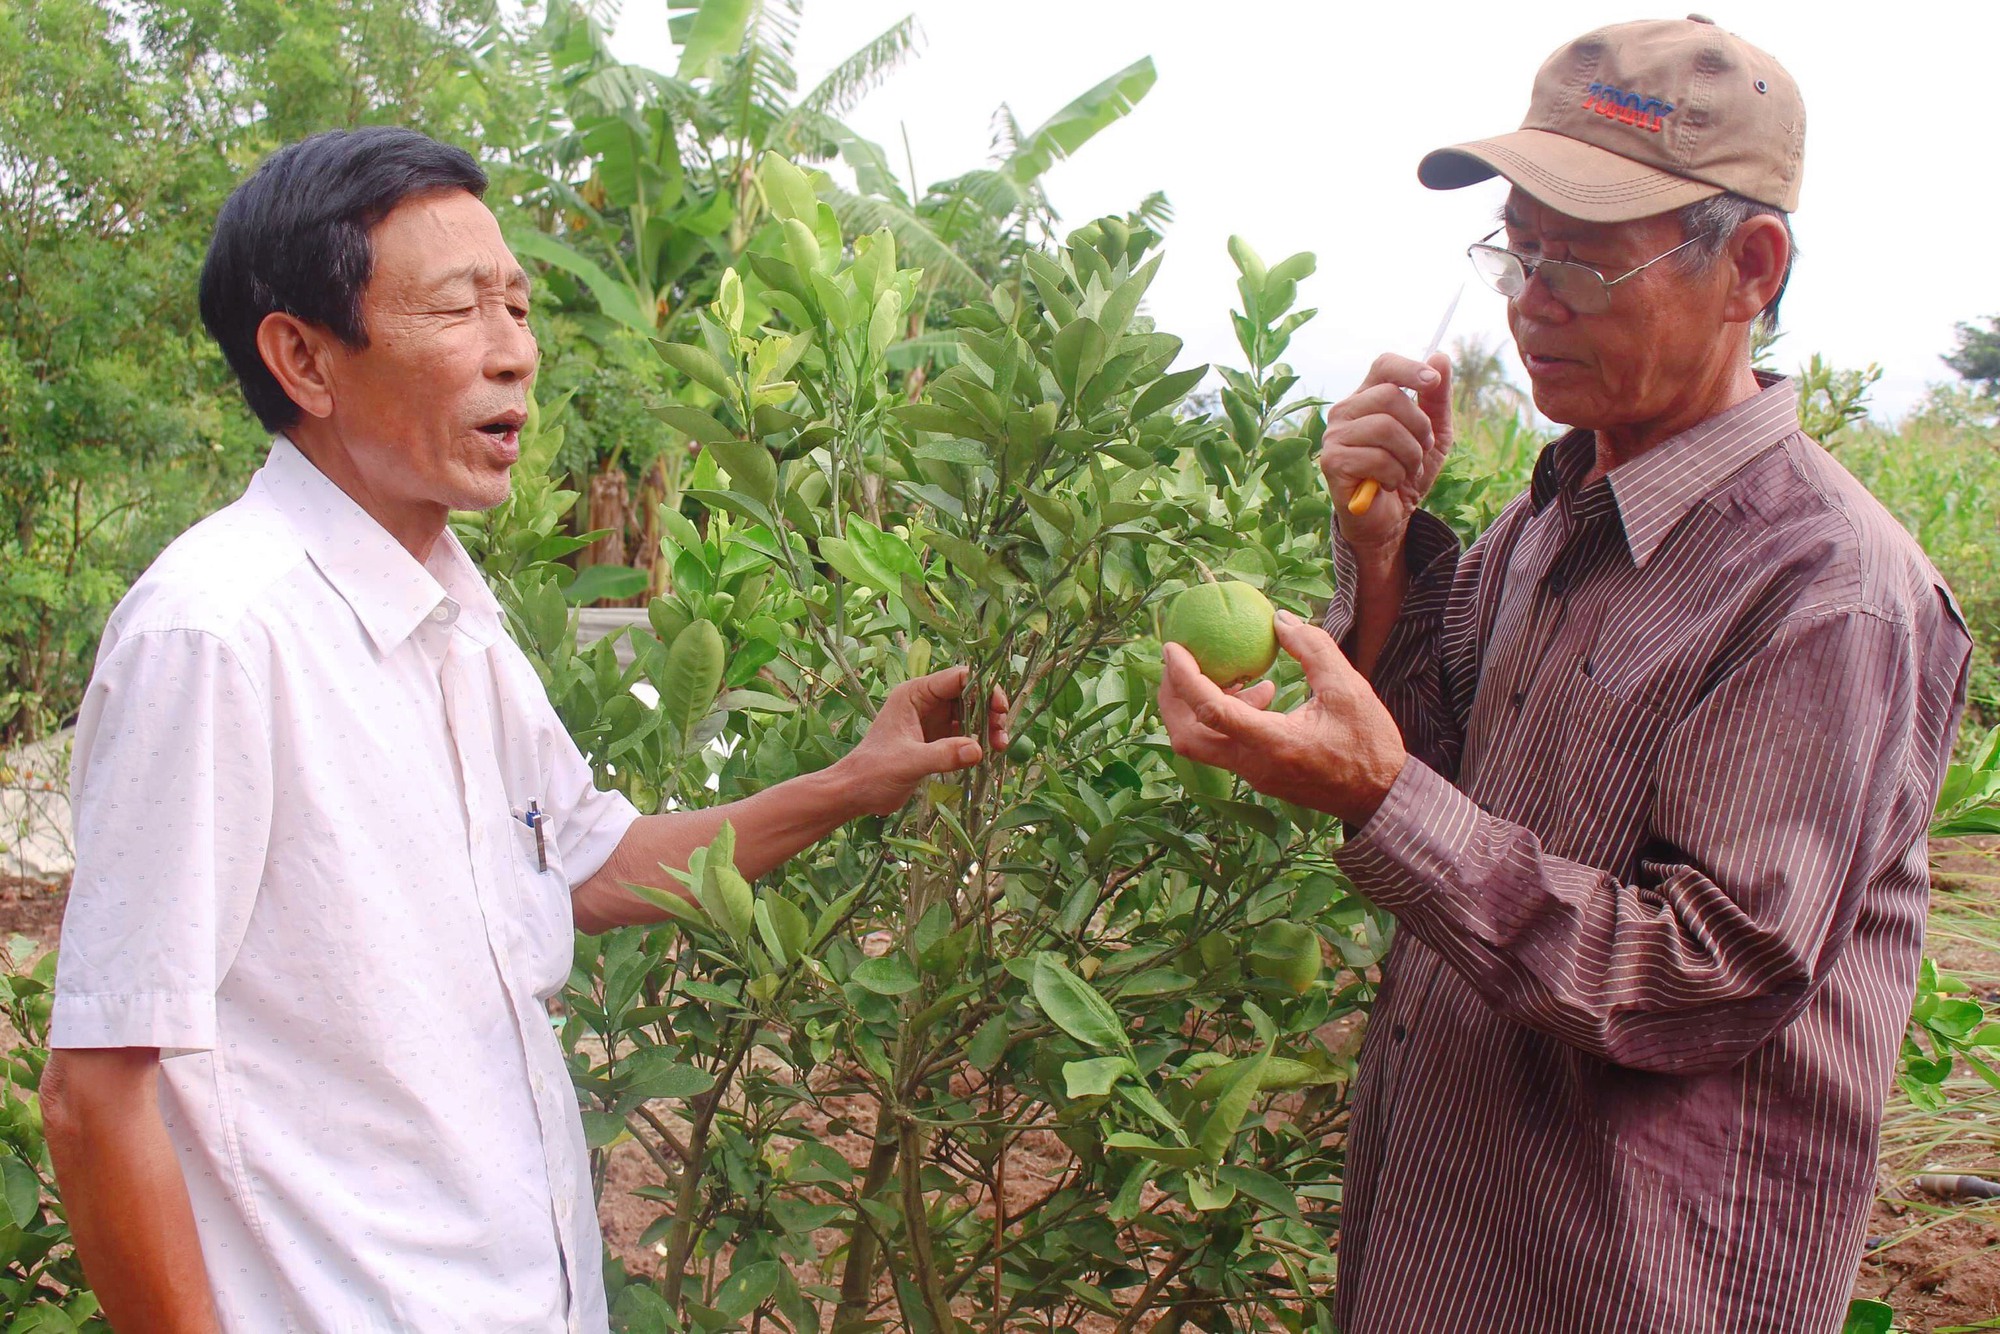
x=610, y=509
x=646, y=516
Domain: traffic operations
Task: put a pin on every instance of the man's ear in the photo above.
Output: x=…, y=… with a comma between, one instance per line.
x=300, y=356
x=1759, y=253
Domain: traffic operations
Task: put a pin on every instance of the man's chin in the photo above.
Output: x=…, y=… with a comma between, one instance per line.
x=477, y=494
x=1561, y=408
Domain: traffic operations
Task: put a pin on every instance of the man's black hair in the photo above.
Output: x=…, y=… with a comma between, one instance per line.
x=294, y=238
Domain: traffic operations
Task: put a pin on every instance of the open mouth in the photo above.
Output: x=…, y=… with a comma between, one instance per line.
x=505, y=431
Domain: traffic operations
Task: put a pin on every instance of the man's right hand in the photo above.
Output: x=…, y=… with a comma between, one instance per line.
x=1379, y=433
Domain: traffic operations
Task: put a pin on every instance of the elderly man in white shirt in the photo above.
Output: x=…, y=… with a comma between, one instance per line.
x=305, y=1077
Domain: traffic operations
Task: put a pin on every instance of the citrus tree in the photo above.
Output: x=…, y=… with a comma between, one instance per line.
x=1053, y=1003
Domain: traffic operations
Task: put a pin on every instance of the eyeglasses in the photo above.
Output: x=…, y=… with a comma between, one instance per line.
x=1578, y=286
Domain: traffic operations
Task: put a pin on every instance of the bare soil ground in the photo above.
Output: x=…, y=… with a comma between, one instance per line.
x=1936, y=1262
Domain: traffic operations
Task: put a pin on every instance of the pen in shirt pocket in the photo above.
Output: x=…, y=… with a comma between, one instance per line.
x=534, y=819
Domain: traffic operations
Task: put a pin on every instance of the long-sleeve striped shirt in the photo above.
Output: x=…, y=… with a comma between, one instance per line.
x=1659, y=871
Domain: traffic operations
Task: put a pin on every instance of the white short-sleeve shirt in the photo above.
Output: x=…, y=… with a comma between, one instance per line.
x=302, y=873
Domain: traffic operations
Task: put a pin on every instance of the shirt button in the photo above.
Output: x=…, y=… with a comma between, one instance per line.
x=1399, y=1032
x=444, y=613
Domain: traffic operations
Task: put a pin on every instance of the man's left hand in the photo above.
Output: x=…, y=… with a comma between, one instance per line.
x=1339, y=752
x=919, y=732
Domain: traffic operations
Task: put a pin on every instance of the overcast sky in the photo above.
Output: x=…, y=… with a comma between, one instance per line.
x=1299, y=126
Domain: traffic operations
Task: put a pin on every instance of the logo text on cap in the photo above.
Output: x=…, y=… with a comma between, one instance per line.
x=1645, y=113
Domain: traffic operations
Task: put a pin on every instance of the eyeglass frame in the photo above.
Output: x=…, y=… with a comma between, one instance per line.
x=1530, y=267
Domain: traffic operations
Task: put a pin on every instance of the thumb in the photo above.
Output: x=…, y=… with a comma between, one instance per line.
x=949, y=755
x=1326, y=666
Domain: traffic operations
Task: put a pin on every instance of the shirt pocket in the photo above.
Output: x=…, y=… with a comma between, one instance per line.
x=1605, y=764
x=546, y=923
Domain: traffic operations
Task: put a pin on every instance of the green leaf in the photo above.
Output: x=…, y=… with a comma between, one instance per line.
x=786, y=188
x=885, y=321
x=692, y=678
x=716, y=32
x=1080, y=121
x=943, y=421
x=1093, y=1078
x=1167, y=391
x=1867, y=1316
x=1049, y=283
x=614, y=296
x=783, y=927
x=1092, y=1296
x=23, y=1190
x=1956, y=1018
x=1078, y=350
x=890, y=975
x=802, y=248
x=1231, y=1106
x=1075, y=1007
x=729, y=900
x=1247, y=262
x=1264, y=1188
x=42, y=1318
x=747, y=1288
x=1208, y=1194
x=1170, y=1155
x=654, y=1073
x=699, y=365
x=988, y=1044
x=750, y=467
x=1123, y=302
x=963, y=452
x=600, y=1128
x=696, y=423
x=593, y=582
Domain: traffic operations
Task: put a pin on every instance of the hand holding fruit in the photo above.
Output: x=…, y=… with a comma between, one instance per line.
x=1379, y=433
x=1339, y=752
x=919, y=732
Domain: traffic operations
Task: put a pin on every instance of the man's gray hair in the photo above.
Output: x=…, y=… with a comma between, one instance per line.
x=1715, y=219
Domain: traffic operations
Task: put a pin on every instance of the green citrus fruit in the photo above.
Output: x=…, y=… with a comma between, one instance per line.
x=1230, y=629
x=1021, y=750
x=1286, y=952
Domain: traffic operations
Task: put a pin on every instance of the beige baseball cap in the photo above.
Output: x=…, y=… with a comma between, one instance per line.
x=1643, y=118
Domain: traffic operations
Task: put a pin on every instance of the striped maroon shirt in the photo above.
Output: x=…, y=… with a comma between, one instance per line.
x=1659, y=872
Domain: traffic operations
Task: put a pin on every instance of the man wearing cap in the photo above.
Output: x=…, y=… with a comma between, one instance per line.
x=1644, y=775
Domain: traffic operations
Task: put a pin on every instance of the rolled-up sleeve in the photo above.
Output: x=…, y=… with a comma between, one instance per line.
x=171, y=793
x=1773, y=801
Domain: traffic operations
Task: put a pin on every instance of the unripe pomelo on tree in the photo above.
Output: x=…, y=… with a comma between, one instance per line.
x=1286, y=952
x=1229, y=627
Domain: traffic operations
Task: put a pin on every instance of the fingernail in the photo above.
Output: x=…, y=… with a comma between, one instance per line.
x=1286, y=618
x=1428, y=376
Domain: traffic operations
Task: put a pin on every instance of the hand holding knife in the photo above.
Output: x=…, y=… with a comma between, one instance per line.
x=1364, y=494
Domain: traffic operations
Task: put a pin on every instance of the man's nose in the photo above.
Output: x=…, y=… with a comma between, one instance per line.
x=1537, y=301
x=512, y=354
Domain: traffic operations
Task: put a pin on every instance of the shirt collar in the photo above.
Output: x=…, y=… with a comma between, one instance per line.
x=1655, y=491
x=388, y=590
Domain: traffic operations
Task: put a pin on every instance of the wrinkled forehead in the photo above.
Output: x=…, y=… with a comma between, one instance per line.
x=1524, y=215
x=441, y=239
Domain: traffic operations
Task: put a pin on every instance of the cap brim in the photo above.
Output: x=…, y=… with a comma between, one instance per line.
x=1568, y=175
